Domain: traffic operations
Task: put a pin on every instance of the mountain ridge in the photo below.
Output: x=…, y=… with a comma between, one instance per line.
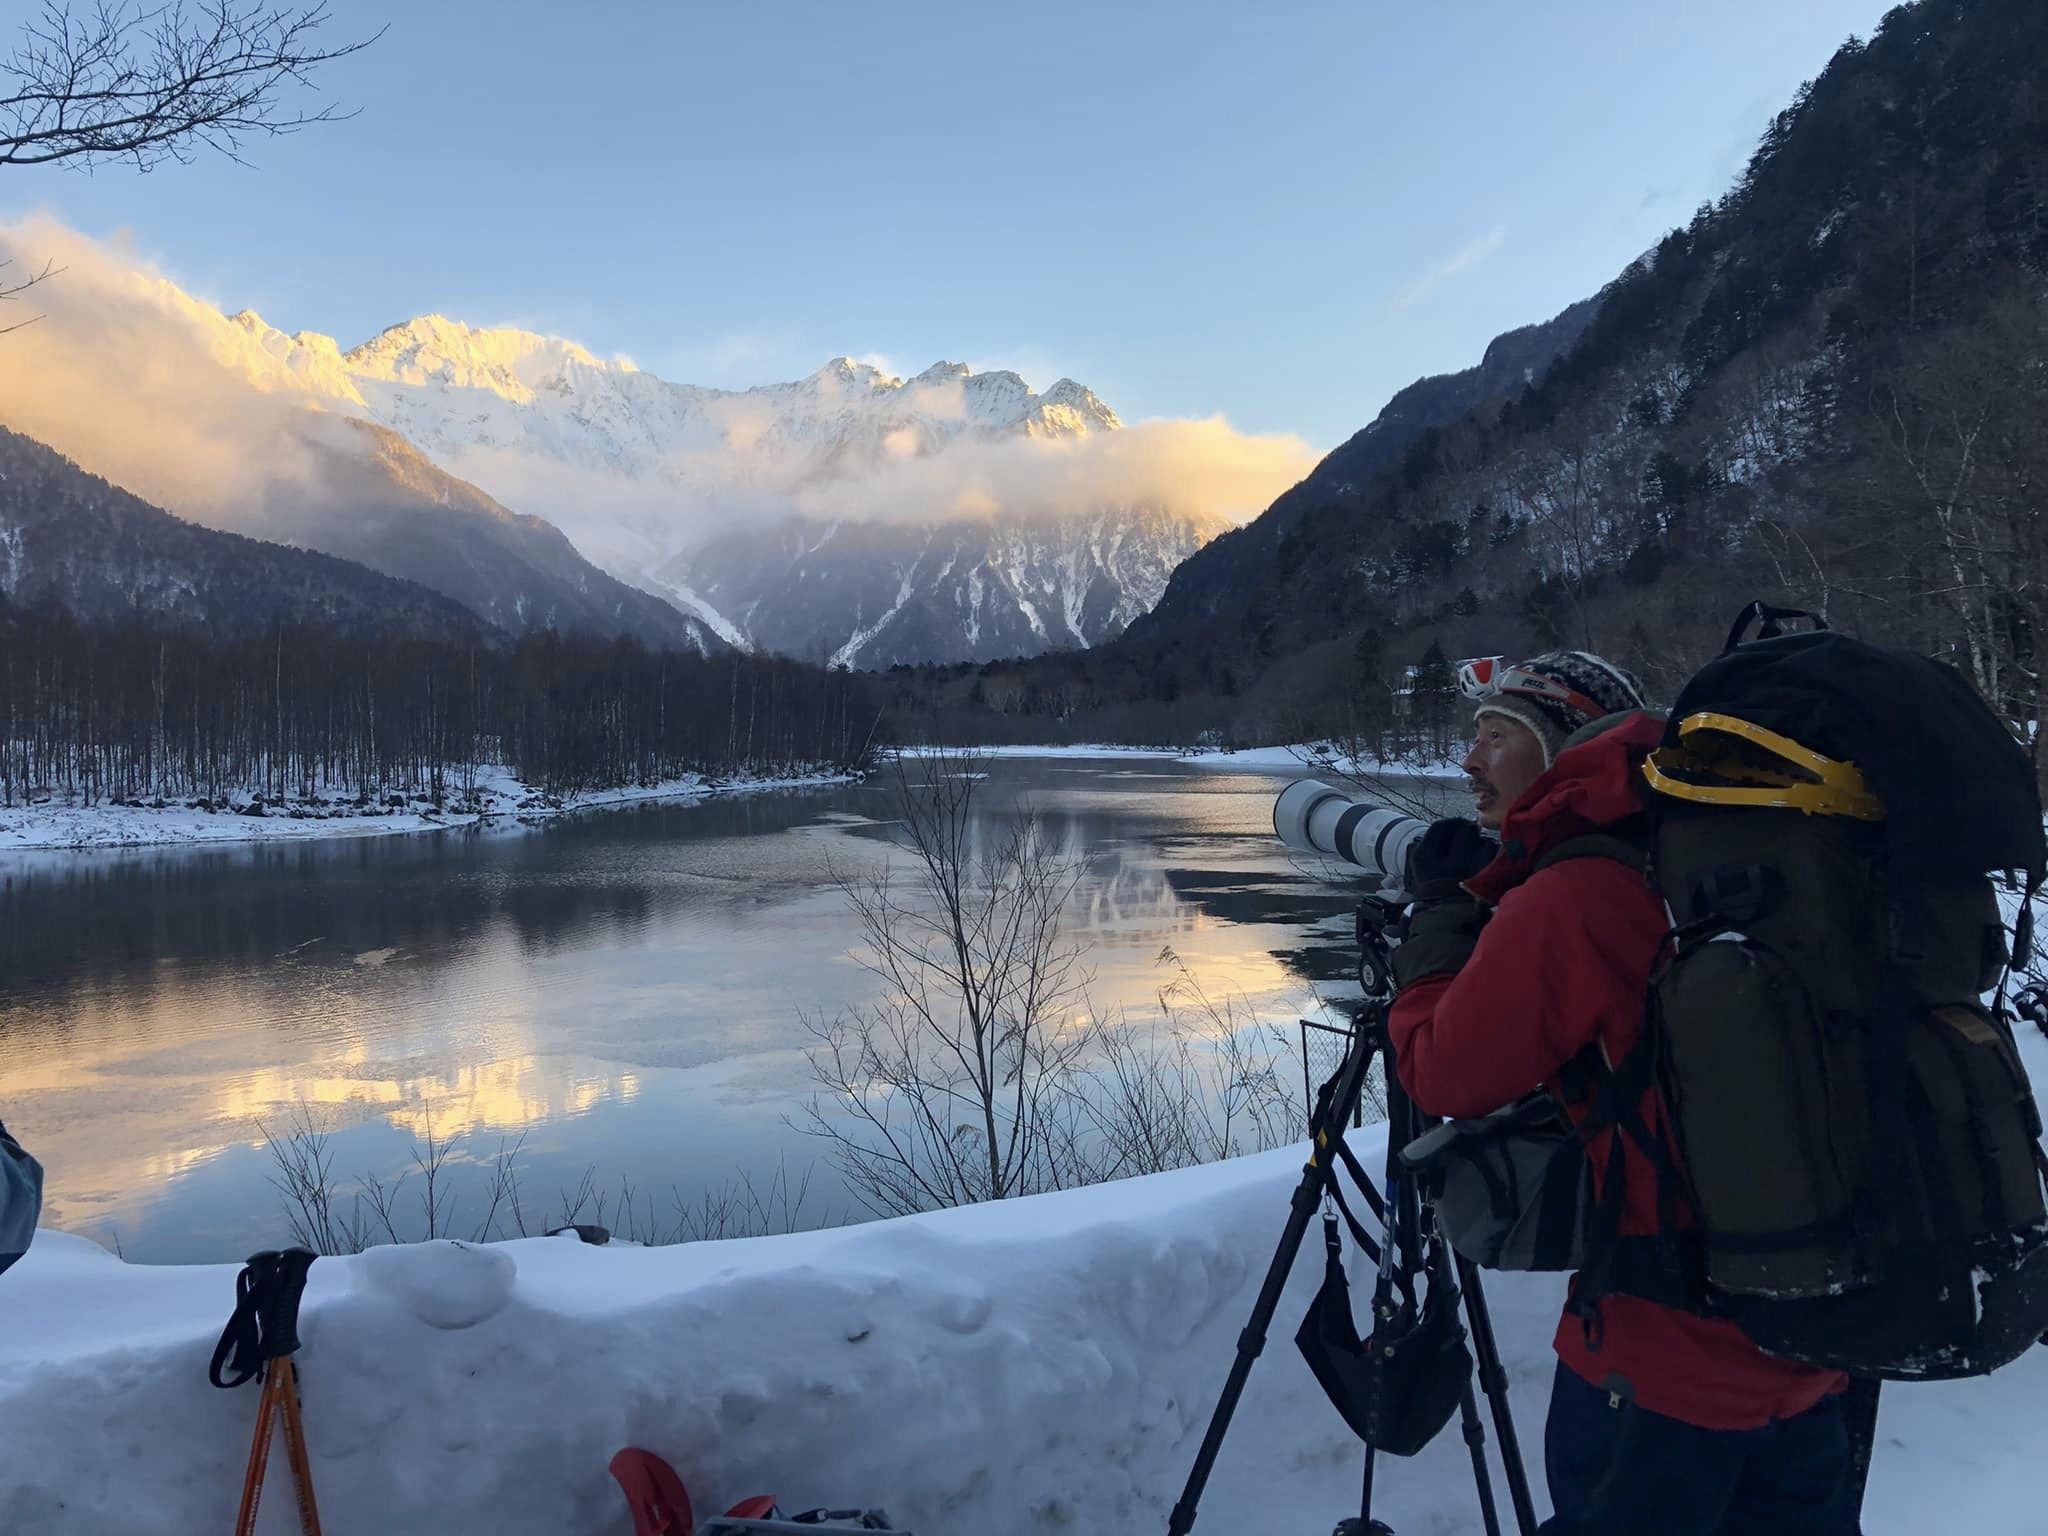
x=488, y=403
x=880, y=594
x=1204, y=588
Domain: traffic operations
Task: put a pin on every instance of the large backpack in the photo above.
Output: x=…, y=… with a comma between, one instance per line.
x=1857, y=1134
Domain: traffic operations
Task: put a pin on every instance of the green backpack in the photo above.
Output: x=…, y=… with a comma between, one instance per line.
x=1856, y=1133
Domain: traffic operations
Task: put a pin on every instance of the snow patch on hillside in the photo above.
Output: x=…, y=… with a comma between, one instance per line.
x=697, y=607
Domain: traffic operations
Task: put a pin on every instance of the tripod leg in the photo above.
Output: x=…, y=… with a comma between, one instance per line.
x=259, y=1456
x=1493, y=1377
x=1860, y=1409
x=1325, y=1133
x=295, y=1447
x=1401, y=1215
x=1475, y=1441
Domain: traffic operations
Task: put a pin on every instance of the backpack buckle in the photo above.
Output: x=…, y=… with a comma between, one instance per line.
x=1737, y=895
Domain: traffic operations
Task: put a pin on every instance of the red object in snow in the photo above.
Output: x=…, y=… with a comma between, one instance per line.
x=659, y=1502
x=656, y=1496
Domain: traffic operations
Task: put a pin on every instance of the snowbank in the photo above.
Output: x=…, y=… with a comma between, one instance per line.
x=1037, y=1366
x=500, y=796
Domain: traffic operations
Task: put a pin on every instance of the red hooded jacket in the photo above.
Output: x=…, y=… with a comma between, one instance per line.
x=1565, y=961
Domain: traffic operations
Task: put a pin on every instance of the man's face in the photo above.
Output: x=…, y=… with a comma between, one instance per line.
x=1506, y=758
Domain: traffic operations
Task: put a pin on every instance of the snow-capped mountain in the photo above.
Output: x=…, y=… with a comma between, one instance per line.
x=755, y=511
x=663, y=459
x=872, y=594
x=213, y=420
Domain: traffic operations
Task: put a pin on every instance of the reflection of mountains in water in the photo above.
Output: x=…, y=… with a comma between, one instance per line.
x=1288, y=901
x=1132, y=886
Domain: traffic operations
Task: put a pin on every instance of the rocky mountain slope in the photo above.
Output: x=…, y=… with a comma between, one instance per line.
x=1210, y=585
x=380, y=502
x=875, y=594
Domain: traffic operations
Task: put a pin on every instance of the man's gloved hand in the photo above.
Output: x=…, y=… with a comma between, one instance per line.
x=1445, y=923
x=1451, y=852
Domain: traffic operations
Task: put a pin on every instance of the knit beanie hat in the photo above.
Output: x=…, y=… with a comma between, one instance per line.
x=1567, y=689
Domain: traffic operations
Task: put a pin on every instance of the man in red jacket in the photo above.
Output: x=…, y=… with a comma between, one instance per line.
x=1662, y=1422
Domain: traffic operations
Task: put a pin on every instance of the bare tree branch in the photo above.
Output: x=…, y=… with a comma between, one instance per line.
x=982, y=1072
x=11, y=290
x=145, y=85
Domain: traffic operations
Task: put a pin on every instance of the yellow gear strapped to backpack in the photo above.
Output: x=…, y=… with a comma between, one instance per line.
x=1714, y=750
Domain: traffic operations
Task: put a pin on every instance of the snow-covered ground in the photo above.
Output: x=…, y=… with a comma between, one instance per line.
x=499, y=796
x=1046, y=1365
x=1247, y=760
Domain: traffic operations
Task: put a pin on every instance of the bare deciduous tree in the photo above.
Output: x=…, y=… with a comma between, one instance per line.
x=982, y=1072
x=1204, y=1084
x=304, y=1179
x=953, y=1086
x=1954, y=487
x=149, y=84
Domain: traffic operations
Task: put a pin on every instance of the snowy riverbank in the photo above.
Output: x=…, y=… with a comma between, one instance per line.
x=243, y=816
x=1035, y=1366
x=1284, y=759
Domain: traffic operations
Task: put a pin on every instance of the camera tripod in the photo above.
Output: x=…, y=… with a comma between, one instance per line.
x=1410, y=1223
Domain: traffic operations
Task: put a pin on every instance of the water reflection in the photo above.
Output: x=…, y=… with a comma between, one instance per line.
x=623, y=987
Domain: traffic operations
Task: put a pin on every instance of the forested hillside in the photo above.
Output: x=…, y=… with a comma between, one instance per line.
x=1828, y=387
x=69, y=539
x=1215, y=584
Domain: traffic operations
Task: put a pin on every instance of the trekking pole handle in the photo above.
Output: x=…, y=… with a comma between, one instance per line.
x=279, y=1303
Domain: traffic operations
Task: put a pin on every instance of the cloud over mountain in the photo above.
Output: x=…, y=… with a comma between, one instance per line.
x=225, y=418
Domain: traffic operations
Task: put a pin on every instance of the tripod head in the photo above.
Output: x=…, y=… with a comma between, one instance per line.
x=1376, y=917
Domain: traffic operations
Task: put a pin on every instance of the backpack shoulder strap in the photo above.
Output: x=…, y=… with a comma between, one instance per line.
x=1664, y=1267
x=1618, y=846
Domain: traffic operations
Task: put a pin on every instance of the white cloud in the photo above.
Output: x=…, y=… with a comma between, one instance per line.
x=125, y=373
x=1205, y=467
x=1464, y=259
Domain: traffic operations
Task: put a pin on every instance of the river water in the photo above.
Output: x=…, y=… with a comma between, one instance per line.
x=624, y=989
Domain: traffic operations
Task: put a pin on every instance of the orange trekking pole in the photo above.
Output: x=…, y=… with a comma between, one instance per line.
x=260, y=1340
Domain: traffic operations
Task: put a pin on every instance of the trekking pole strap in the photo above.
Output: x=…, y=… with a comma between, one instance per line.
x=265, y=1322
x=239, y=1350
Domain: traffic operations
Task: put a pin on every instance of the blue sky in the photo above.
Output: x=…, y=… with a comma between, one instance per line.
x=1280, y=213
